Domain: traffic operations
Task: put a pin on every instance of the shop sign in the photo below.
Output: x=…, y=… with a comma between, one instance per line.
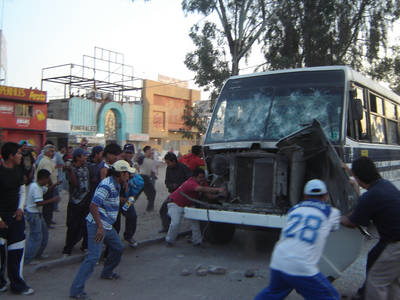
x=90, y=128
x=9, y=92
x=138, y=137
x=6, y=109
x=23, y=122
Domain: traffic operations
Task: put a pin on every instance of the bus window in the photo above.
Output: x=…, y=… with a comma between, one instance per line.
x=392, y=135
x=392, y=123
x=376, y=104
x=390, y=110
x=377, y=129
x=362, y=125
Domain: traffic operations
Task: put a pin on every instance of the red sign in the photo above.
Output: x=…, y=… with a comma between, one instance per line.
x=9, y=92
x=16, y=114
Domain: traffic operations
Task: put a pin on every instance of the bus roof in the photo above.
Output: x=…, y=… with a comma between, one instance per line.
x=349, y=73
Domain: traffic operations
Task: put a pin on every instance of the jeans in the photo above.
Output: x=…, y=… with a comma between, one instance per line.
x=76, y=226
x=130, y=222
x=38, y=236
x=115, y=246
x=176, y=214
x=315, y=287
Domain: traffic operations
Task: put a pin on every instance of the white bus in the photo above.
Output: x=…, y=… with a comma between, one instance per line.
x=263, y=144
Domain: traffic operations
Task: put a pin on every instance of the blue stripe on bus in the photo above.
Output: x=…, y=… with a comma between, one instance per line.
x=376, y=155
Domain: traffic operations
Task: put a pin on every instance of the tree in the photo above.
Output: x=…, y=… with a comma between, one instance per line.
x=194, y=118
x=240, y=24
x=307, y=33
x=388, y=69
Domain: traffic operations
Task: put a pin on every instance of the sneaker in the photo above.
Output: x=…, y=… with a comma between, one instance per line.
x=82, y=295
x=169, y=244
x=43, y=256
x=132, y=243
x=4, y=288
x=28, y=291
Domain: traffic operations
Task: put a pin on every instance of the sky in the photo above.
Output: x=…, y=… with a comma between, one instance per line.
x=153, y=36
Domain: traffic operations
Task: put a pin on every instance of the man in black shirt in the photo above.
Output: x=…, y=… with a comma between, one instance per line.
x=380, y=204
x=176, y=174
x=12, y=224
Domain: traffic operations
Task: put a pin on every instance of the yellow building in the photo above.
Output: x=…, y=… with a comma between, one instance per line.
x=163, y=107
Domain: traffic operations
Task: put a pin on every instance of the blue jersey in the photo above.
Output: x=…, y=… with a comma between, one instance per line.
x=303, y=238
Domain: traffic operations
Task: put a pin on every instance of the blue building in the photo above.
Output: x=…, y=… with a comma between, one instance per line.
x=100, y=121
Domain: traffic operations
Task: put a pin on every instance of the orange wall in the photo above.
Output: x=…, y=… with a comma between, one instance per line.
x=163, y=107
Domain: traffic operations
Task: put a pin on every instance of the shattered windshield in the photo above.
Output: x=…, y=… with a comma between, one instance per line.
x=270, y=107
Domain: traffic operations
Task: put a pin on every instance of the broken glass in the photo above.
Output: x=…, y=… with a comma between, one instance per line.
x=271, y=106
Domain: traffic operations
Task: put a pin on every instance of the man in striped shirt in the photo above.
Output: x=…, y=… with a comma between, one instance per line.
x=103, y=213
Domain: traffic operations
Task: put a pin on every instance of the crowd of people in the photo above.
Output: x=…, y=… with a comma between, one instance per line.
x=102, y=186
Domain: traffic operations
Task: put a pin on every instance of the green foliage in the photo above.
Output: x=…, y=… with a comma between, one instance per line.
x=307, y=33
x=193, y=118
x=388, y=69
x=222, y=45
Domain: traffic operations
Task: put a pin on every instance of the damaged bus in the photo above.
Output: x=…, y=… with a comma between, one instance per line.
x=271, y=132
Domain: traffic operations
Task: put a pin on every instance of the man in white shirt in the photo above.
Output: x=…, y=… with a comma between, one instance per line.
x=146, y=171
x=294, y=263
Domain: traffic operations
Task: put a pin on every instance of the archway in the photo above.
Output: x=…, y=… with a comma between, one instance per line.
x=112, y=122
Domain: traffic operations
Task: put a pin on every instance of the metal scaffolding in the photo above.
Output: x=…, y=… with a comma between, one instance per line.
x=101, y=77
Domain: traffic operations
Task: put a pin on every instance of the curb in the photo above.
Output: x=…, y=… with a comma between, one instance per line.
x=59, y=262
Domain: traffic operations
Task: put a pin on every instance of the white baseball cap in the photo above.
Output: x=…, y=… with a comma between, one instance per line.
x=123, y=166
x=315, y=187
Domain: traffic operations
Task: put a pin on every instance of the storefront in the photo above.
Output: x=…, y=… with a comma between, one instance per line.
x=23, y=114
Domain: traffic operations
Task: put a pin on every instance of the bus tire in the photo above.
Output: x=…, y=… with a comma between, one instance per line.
x=218, y=233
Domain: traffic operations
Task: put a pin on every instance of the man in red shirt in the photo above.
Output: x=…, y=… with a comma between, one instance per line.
x=177, y=202
x=194, y=159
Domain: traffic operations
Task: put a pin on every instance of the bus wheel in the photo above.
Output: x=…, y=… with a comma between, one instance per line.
x=218, y=233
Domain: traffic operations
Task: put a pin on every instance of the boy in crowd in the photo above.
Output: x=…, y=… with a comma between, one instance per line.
x=294, y=262
x=38, y=232
x=381, y=205
x=103, y=213
x=176, y=203
x=12, y=223
x=78, y=205
x=194, y=159
x=175, y=174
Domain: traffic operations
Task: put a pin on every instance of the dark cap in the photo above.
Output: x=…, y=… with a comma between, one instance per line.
x=97, y=149
x=129, y=148
x=78, y=152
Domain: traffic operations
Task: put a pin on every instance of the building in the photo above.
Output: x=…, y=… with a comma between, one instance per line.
x=101, y=101
x=23, y=114
x=163, y=107
x=100, y=121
